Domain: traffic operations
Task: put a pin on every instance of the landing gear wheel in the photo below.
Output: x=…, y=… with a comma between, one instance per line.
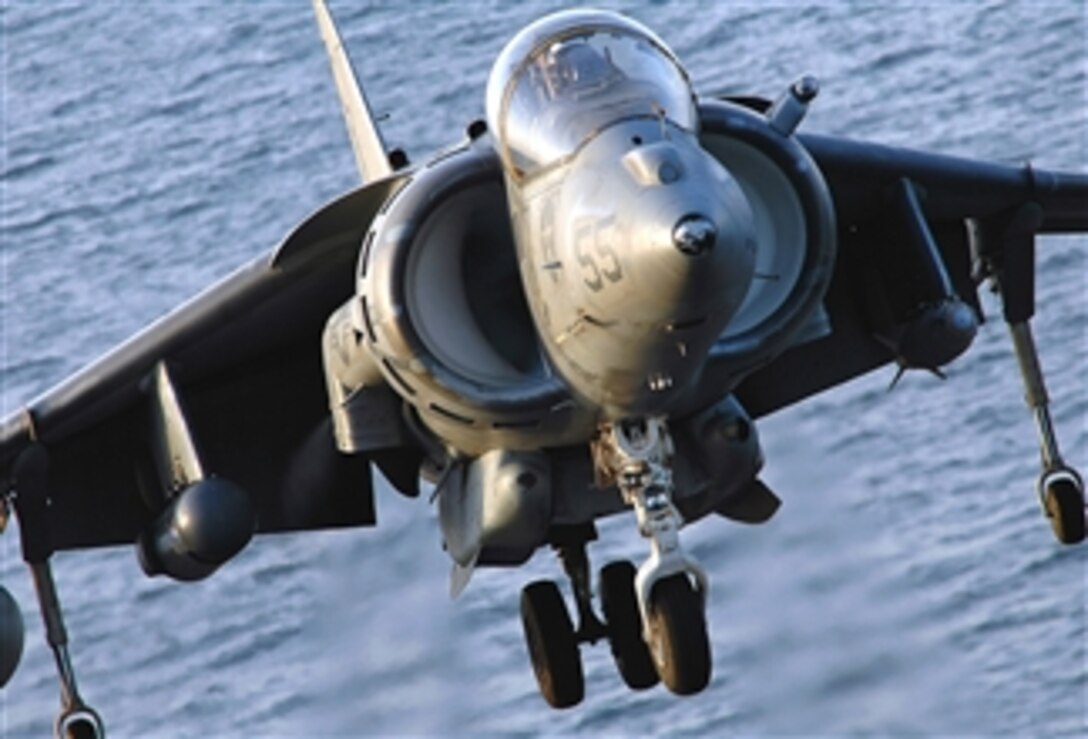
x=553, y=647
x=624, y=621
x=678, y=641
x=1064, y=504
x=80, y=723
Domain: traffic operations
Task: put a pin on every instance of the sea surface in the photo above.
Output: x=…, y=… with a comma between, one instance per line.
x=908, y=586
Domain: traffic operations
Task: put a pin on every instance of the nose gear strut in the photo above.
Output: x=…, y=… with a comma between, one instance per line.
x=655, y=620
x=670, y=587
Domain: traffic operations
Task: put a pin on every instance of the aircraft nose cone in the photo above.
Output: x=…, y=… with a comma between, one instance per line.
x=694, y=234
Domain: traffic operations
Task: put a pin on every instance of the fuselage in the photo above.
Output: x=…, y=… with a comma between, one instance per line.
x=608, y=251
x=635, y=246
x=633, y=258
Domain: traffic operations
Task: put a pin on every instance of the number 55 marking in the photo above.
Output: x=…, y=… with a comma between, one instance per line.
x=600, y=262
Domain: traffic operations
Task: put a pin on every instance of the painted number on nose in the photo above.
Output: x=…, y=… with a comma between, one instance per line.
x=594, y=245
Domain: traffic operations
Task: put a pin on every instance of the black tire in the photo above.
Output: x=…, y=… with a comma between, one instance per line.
x=79, y=723
x=679, y=645
x=624, y=620
x=1064, y=503
x=81, y=729
x=553, y=648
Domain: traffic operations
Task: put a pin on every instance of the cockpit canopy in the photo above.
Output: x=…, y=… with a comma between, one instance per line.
x=568, y=76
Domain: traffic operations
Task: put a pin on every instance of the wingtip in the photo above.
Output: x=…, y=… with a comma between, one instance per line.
x=17, y=431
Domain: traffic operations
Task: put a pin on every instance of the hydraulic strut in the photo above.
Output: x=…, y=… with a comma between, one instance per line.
x=576, y=565
x=1005, y=249
x=77, y=720
x=637, y=456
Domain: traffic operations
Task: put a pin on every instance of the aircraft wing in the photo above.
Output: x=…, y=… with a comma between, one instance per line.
x=245, y=359
x=957, y=195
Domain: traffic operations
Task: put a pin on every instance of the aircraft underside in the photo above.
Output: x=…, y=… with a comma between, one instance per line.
x=579, y=311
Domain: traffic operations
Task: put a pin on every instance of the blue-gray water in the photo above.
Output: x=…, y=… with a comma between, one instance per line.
x=908, y=586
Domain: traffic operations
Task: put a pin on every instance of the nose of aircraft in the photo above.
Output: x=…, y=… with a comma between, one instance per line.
x=660, y=243
x=693, y=245
x=694, y=234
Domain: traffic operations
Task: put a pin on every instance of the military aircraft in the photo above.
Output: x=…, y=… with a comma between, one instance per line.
x=579, y=310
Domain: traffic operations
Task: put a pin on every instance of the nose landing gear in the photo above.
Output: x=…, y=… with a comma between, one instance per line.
x=670, y=587
x=654, y=618
x=678, y=640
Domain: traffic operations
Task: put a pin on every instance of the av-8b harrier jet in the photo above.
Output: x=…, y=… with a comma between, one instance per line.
x=579, y=310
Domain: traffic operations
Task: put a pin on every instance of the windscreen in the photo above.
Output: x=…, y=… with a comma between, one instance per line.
x=569, y=89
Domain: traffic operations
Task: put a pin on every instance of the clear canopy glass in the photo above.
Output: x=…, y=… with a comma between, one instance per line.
x=570, y=88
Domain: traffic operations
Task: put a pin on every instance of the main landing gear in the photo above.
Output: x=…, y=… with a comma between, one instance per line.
x=554, y=641
x=654, y=618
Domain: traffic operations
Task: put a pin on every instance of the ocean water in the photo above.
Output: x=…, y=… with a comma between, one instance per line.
x=909, y=585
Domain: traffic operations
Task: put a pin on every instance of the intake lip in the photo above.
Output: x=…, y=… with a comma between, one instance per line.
x=694, y=234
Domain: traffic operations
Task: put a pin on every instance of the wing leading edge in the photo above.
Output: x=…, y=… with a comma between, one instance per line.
x=245, y=357
x=968, y=207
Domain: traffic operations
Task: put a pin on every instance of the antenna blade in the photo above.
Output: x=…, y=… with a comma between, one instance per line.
x=371, y=157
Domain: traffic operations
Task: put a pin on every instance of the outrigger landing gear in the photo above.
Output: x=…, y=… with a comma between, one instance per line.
x=1061, y=490
x=77, y=720
x=1005, y=250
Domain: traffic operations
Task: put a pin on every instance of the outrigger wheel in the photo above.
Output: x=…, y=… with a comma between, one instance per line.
x=1063, y=500
x=1005, y=248
x=553, y=646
